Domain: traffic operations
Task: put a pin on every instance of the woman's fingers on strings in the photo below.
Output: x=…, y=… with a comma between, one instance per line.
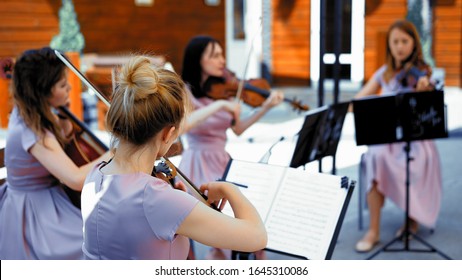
x=424, y=84
x=180, y=186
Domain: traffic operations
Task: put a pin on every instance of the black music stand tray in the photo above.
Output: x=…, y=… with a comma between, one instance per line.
x=403, y=117
x=320, y=134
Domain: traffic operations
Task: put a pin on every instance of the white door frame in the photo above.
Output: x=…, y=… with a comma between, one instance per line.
x=355, y=59
x=238, y=52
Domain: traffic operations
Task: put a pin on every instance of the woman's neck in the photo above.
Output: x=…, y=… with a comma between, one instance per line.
x=204, y=78
x=130, y=159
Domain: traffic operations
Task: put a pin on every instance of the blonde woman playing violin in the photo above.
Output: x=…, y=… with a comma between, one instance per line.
x=128, y=213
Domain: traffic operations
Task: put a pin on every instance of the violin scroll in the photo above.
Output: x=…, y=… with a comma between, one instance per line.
x=166, y=171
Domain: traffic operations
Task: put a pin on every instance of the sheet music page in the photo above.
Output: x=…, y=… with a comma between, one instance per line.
x=304, y=215
x=262, y=183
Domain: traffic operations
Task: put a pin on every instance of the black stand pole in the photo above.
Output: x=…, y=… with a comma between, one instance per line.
x=407, y=233
x=236, y=255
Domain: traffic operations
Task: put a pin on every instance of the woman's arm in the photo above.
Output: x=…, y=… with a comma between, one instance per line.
x=199, y=115
x=245, y=232
x=370, y=88
x=275, y=98
x=58, y=163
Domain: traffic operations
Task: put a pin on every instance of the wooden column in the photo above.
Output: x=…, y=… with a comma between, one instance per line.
x=6, y=102
x=76, y=85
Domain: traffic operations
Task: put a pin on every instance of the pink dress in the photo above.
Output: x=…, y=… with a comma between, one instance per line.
x=205, y=158
x=386, y=164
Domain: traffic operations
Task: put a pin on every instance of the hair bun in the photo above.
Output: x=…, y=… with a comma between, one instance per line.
x=138, y=78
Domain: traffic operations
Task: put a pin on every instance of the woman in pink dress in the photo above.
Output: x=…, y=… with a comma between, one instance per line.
x=37, y=218
x=205, y=158
x=385, y=165
x=128, y=213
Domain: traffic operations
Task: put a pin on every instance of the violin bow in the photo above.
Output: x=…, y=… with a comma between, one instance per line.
x=83, y=78
x=246, y=67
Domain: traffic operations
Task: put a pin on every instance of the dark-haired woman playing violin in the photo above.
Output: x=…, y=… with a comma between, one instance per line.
x=205, y=158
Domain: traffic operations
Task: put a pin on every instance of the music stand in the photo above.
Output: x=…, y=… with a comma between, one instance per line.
x=403, y=117
x=320, y=134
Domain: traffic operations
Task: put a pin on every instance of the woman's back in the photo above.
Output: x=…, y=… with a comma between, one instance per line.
x=133, y=216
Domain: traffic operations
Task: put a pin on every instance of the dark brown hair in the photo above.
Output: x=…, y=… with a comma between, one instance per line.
x=34, y=75
x=414, y=60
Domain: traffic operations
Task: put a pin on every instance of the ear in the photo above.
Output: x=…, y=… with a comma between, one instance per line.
x=168, y=134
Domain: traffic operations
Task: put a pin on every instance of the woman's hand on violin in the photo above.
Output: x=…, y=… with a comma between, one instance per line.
x=231, y=106
x=424, y=84
x=180, y=186
x=275, y=98
x=217, y=192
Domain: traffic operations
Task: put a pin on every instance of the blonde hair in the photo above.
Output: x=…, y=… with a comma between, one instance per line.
x=145, y=101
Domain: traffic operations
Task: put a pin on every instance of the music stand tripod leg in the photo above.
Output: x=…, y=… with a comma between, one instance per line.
x=407, y=233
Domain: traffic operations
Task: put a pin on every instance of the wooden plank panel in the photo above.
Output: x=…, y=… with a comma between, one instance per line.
x=24, y=21
x=22, y=7
x=27, y=35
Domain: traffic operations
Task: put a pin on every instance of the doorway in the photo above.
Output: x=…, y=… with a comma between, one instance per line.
x=352, y=46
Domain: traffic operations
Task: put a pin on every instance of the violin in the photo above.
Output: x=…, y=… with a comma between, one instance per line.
x=410, y=75
x=254, y=93
x=166, y=171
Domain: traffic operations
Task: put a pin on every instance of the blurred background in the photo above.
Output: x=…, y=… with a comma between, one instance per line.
x=319, y=52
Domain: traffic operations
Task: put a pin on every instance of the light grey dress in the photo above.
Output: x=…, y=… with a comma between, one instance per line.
x=133, y=216
x=37, y=219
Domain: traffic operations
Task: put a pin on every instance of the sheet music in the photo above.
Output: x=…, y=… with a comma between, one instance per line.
x=300, y=209
x=262, y=183
x=304, y=215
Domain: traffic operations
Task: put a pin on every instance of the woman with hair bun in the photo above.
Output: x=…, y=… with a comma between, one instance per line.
x=128, y=213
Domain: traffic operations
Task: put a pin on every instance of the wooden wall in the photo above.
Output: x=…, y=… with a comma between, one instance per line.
x=447, y=35
x=26, y=24
x=290, y=42
x=118, y=26
x=112, y=26
x=447, y=40
x=379, y=16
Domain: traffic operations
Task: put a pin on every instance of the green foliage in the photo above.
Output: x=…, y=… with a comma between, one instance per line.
x=69, y=37
x=415, y=15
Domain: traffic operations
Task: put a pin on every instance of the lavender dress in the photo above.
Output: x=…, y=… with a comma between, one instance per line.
x=37, y=219
x=133, y=216
x=386, y=164
x=205, y=159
